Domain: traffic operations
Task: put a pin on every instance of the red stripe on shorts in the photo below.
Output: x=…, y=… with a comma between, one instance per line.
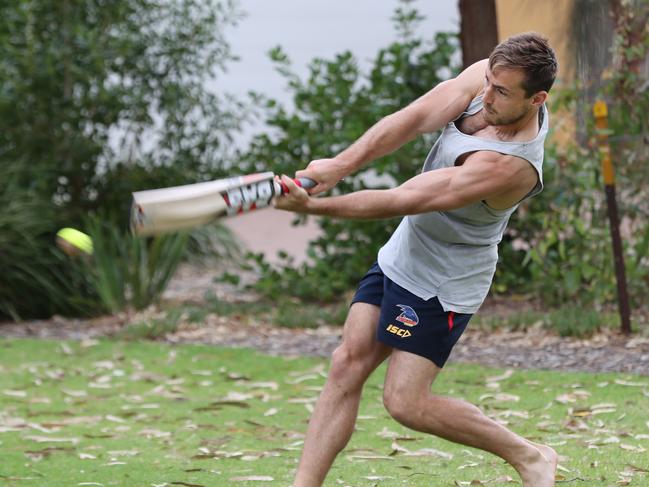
x=451, y=314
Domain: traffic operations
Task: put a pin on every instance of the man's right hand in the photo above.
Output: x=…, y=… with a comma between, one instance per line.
x=325, y=172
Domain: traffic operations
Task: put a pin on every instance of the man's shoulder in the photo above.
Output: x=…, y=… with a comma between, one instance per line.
x=472, y=78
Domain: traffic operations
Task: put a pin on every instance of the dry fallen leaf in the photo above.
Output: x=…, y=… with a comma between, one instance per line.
x=51, y=439
x=12, y=393
x=630, y=384
x=506, y=375
x=498, y=480
x=500, y=397
x=637, y=449
x=302, y=378
x=261, y=385
x=37, y=455
x=393, y=435
x=73, y=393
x=104, y=364
x=423, y=452
x=368, y=456
x=234, y=376
x=123, y=453
x=154, y=433
x=510, y=413
x=205, y=373
x=252, y=478
x=239, y=404
x=114, y=419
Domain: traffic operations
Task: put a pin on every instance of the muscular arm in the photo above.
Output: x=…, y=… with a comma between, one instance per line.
x=484, y=175
x=428, y=113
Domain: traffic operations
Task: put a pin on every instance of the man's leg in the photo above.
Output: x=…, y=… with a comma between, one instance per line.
x=408, y=398
x=334, y=416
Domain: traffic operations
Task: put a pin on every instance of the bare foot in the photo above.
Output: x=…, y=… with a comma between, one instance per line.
x=539, y=472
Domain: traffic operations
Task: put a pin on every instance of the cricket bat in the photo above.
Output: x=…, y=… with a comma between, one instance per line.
x=158, y=211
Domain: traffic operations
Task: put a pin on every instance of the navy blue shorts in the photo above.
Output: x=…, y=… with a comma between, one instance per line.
x=408, y=322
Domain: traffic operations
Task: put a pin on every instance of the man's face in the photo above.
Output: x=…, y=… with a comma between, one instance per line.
x=504, y=98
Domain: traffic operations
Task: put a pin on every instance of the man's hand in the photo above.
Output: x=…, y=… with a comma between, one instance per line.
x=325, y=172
x=296, y=200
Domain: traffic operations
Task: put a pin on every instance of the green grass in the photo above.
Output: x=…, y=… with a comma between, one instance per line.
x=151, y=414
x=566, y=322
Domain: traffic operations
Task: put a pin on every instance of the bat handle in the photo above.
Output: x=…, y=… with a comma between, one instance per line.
x=306, y=183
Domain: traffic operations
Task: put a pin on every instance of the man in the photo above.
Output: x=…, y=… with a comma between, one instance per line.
x=436, y=269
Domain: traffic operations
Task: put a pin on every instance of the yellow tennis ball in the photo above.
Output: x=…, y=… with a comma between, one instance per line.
x=72, y=241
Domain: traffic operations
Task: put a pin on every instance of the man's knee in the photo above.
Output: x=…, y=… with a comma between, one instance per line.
x=402, y=404
x=348, y=364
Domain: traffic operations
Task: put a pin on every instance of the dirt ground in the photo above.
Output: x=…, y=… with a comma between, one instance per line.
x=536, y=348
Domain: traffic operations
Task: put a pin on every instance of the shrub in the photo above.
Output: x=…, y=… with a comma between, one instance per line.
x=333, y=107
x=130, y=271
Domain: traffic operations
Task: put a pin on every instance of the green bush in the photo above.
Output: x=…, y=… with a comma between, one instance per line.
x=99, y=99
x=333, y=107
x=36, y=279
x=127, y=271
x=557, y=246
x=566, y=321
x=88, y=85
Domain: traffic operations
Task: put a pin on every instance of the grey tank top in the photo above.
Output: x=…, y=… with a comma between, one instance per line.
x=452, y=255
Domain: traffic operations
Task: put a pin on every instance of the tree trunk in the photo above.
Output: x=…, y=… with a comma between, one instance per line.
x=478, y=29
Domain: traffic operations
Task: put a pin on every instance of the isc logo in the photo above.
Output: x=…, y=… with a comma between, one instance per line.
x=249, y=197
x=400, y=332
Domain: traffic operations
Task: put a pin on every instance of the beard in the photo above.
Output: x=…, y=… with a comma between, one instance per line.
x=494, y=118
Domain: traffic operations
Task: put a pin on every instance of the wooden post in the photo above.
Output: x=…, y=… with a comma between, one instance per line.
x=600, y=111
x=478, y=30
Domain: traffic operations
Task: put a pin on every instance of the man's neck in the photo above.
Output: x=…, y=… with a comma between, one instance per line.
x=528, y=124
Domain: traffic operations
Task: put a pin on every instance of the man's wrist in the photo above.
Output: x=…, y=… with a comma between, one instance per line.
x=346, y=164
x=311, y=206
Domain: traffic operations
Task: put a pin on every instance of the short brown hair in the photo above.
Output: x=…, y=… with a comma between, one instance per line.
x=531, y=53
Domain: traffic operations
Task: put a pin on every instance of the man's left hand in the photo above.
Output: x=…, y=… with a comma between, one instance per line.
x=296, y=200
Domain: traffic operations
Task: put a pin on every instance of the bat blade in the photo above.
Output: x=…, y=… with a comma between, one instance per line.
x=158, y=211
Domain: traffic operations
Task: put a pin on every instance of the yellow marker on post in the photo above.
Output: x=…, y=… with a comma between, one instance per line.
x=600, y=112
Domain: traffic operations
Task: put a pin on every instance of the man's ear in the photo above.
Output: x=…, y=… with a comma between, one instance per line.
x=539, y=98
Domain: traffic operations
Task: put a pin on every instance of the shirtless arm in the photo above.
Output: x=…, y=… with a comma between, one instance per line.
x=484, y=175
x=429, y=113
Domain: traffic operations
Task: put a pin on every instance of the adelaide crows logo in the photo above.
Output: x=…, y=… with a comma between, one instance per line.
x=408, y=316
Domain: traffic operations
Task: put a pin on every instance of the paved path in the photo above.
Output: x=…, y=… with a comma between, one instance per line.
x=270, y=230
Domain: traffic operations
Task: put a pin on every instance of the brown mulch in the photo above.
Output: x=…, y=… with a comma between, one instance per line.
x=535, y=348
